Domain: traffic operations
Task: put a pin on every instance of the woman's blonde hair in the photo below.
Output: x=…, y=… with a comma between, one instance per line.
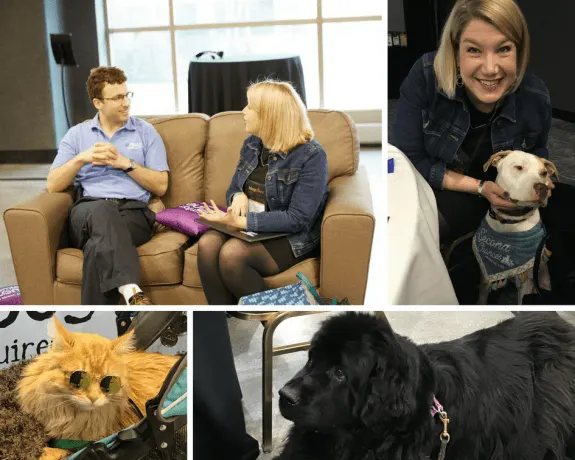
x=504, y=15
x=283, y=117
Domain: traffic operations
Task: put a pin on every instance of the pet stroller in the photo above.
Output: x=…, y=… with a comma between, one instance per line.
x=162, y=432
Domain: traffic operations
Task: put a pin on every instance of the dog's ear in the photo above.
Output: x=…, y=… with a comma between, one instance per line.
x=390, y=391
x=384, y=322
x=551, y=168
x=495, y=159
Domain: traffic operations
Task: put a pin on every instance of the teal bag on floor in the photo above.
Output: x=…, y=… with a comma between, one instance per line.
x=301, y=293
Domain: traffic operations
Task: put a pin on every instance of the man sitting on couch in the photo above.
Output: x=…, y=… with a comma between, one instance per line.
x=117, y=161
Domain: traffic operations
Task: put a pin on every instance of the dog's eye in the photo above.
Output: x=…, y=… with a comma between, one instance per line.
x=339, y=375
x=544, y=173
x=519, y=168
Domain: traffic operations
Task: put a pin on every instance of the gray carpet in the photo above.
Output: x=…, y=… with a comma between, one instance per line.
x=246, y=336
x=561, y=143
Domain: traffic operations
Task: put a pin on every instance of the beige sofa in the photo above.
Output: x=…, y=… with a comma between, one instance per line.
x=202, y=155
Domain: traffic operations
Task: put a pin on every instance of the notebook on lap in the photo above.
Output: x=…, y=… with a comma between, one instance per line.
x=250, y=237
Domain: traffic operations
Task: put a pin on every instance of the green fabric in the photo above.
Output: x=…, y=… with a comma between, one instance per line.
x=68, y=444
x=178, y=390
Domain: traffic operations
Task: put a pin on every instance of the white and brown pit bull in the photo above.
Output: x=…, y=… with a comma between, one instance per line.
x=508, y=238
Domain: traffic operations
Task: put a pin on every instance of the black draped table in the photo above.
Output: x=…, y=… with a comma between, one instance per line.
x=218, y=85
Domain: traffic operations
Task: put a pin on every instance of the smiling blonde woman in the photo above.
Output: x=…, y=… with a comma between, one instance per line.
x=280, y=185
x=468, y=100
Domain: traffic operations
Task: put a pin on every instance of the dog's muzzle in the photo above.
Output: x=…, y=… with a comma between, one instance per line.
x=290, y=395
x=541, y=190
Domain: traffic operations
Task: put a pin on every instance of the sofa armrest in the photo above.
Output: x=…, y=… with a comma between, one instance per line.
x=346, y=238
x=34, y=230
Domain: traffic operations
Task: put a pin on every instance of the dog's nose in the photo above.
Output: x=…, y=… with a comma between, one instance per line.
x=541, y=190
x=290, y=395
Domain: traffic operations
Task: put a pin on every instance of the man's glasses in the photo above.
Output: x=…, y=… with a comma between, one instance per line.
x=119, y=98
x=80, y=380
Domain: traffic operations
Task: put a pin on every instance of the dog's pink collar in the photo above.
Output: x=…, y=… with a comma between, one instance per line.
x=436, y=408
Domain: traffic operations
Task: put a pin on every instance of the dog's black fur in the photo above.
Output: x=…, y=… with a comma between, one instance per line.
x=366, y=393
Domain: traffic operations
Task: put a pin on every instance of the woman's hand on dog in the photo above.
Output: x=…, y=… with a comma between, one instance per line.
x=494, y=193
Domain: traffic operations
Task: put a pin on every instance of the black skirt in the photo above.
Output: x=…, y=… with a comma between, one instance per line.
x=280, y=250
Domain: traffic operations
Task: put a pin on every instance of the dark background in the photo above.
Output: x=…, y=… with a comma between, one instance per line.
x=552, y=34
x=32, y=118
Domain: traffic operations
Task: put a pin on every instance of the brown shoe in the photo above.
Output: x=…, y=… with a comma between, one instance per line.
x=140, y=299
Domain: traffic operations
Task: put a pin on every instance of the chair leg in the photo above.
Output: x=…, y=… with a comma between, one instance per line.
x=267, y=382
x=267, y=375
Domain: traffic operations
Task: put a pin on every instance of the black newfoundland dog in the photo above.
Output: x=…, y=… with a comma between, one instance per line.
x=367, y=393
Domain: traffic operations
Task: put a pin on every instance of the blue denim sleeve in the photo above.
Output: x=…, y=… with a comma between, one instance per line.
x=233, y=189
x=234, y=184
x=541, y=145
x=408, y=126
x=306, y=198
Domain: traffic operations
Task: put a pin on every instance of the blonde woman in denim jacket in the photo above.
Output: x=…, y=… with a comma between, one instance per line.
x=473, y=98
x=280, y=185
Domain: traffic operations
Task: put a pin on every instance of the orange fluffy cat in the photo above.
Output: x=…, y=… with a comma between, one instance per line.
x=79, y=389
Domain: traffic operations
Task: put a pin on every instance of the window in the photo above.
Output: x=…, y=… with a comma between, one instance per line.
x=340, y=44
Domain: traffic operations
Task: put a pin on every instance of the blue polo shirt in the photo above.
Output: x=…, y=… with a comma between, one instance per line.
x=137, y=140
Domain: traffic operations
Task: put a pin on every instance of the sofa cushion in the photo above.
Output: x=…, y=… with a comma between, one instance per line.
x=337, y=133
x=185, y=139
x=183, y=218
x=334, y=130
x=161, y=261
x=226, y=134
x=309, y=267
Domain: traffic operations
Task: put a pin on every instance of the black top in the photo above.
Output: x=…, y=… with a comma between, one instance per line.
x=477, y=144
x=255, y=186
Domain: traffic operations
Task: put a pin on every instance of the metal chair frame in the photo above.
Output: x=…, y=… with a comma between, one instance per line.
x=271, y=320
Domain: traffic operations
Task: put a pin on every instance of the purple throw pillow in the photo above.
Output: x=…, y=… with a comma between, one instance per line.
x=10, y=295
x=183, y=218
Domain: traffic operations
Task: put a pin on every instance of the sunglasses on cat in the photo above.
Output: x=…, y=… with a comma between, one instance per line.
x=109, y=384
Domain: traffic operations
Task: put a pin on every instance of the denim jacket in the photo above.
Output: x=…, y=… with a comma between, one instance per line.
x=296, y=192
x=430, y=127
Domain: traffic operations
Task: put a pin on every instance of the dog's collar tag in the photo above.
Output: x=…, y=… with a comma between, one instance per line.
x=436, y=408
x=444, y=437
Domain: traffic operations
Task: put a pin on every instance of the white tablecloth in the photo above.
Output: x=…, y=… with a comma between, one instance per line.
x=416, y=272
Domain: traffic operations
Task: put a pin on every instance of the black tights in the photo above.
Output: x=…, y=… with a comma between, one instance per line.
x=231, y=268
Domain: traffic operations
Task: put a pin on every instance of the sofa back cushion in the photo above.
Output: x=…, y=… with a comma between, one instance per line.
x=226, y=134
x=334, y=130
x=185, y=139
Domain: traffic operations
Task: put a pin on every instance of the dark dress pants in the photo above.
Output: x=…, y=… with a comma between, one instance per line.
x=108, y=234
x=219, y=424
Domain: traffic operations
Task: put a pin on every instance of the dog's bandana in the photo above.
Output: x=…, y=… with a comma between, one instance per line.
x=502, y=255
